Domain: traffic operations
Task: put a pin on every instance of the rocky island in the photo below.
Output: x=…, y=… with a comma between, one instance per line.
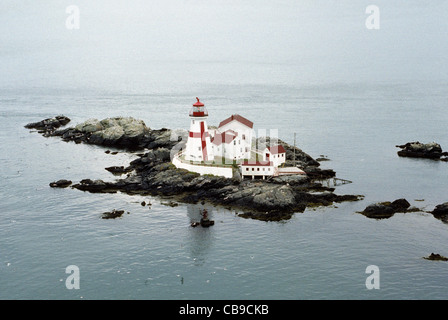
x=152, y=173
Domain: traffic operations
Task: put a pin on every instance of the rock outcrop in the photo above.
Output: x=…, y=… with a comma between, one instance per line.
x=48, y=126
x=61, y=183
x=384, y=210
x=436, y=257
x=112, y=214
x=440, y=209
x=417, y=149
x=120, y=132
x=441, y=212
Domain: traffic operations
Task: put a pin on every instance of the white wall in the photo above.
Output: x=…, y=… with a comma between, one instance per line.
x=217, y=171
x=258, y=170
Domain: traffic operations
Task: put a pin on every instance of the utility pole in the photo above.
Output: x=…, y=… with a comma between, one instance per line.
x=294, y=149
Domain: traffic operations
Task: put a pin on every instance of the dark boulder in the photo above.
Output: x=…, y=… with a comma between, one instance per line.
x=441, y=212
x=118, y=170
x=421, y=150
x=96, y=186
x=436, y=257
x=112, y=214
x=441, y=209
x=60, y=183
x=384, y=210
x=400, y=205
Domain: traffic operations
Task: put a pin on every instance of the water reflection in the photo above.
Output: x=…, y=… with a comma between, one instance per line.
x=199, y=239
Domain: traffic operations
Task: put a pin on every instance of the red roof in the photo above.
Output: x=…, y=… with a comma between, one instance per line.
x=257, y=163
x=277, y=149
x=238, y=118
x=225, y=137
x=198, y=103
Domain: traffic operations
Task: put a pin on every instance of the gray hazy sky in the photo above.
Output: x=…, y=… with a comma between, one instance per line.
x=247, y=41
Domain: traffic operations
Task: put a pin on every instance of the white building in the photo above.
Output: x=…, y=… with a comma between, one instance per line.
x=260, y=170
x=198, y=147
x=276, y=154
x=225, y=145
x=233, y=138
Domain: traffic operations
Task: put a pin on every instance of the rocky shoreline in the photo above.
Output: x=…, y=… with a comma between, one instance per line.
x=152, y=173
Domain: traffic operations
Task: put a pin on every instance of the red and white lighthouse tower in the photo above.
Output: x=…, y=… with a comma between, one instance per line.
x=198, y=147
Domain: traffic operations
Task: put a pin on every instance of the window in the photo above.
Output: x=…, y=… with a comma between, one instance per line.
x=199, y=148
x=247, y=169
x=234, y=142
x=258, y=169
x=241, y=149
x=244, y=137
x=239, y=141
x=252, y=169
x=263, y=169
x=193, y=121
x=269, y=169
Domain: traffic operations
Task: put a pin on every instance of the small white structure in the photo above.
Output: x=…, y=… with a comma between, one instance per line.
x=198, y=147
x=256, y=169
x=276, y=154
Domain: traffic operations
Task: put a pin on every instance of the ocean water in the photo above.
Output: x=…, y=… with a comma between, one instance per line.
x=309, y=68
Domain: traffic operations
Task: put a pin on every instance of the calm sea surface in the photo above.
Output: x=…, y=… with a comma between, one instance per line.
x=310, y=68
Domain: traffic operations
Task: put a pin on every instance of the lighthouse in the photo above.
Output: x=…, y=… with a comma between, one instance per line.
x=198, y=147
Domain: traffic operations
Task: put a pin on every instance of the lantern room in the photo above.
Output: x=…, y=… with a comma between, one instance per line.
x=198, y=109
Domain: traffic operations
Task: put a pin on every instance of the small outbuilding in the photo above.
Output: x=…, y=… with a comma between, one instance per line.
x=276, y=154
x=257, y=169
